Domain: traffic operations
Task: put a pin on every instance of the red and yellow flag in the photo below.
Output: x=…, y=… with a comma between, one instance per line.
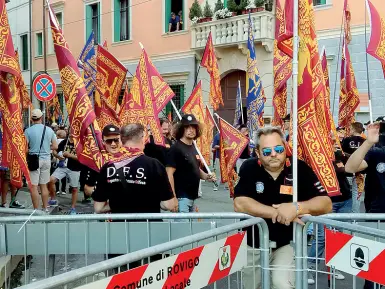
x=110, y=76
x=376, y=47
x=194, y=105
x=14, y=151
x=20, y=85
x=53, y=109
x=349, y=96
x=311, y=139
x=210, y=123
x=282, y=67
x=330, y=121
x=209, y=60
x=149, y=95
x=84, y=128
x=232, y=144
x=348, y=18
x=285, y=32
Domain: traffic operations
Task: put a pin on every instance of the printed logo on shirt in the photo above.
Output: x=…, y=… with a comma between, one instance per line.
x=132, y=177
x=260, y=187
x=319, y=187
x=381, y=168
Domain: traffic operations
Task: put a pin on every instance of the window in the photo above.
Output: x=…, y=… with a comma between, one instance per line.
x=39, y=44
x=178, y=100
x=24, y=51
x=59, y=17
x=93, y=21
x=176, y=6
x=319, y=2
x=121, y=20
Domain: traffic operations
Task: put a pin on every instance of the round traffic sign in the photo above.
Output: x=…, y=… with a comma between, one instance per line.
x=44, y=87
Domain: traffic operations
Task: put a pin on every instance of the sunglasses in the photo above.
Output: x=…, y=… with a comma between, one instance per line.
x=278, y=149
x=110, y=141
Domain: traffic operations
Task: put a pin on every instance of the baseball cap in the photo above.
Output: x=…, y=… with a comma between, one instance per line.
x=380, y=118
x=36, y=113
x=189, y=119
x=286, y=118
x=110, y=130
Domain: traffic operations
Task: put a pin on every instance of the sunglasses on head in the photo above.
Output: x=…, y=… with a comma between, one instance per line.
x=111, y=140
x=278, y=149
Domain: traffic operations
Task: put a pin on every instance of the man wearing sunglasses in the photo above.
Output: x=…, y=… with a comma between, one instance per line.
x=265, y=190
x=112, y=144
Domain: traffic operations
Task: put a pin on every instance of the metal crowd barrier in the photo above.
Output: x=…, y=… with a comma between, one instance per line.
x=368, y=226
x=10, y=211
x=95, y=236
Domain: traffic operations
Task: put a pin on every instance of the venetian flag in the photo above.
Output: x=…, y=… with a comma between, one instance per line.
x=15, y=145
x=210, y=122
x=330, y=122
x=87, y=62
x=88, y=141
x=255, y=93
x=312, y=148
x=22, y=88
x=209, y=60
x=349, y=96
x=53, y=108
x=284, y=35
x=376, y=47
x=232, y=144
x=238, y=116
x=149, y=95
x=282, y=68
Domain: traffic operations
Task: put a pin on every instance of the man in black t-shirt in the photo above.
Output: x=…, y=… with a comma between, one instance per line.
x=183, y=164
x=137, y=184
x=349, y=145
x=265, y=190
x=68, y=167
x=157, y=151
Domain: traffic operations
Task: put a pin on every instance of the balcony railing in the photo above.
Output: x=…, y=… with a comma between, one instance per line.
x=234, y=30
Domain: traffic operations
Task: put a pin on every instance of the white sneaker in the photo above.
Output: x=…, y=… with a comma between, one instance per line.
x=310, y=278
x=200, y=194
x=64, y=193
x=338, y=275
x=215, y=188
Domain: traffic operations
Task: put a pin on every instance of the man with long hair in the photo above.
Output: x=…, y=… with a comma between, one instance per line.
x=183, y=164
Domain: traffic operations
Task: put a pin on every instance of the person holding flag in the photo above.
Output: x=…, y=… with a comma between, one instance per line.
x=265, y=190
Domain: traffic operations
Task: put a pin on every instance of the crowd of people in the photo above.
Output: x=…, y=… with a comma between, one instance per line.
x=168, y=177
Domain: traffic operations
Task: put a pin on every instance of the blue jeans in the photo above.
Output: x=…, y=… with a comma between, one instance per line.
x=338, y=207
x=356, y=203
x=185, y=205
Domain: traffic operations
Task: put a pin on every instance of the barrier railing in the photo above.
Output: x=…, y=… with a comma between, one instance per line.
x=90, y=270
x=363, y=225
x=10, y=211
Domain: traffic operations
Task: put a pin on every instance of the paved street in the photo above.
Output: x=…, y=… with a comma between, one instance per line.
x=211, y=201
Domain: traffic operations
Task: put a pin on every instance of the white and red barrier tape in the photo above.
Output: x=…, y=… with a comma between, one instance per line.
x=192, y=269
x=357, y=256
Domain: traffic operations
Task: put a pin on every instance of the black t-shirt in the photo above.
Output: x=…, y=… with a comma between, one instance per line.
x=91, y=178
x=256, y=183
x=185, y=159
x=352, y=143
x=146, y=186
x=345, y=188
x=67, y=146
x=156, y=151
x=375, y=180
x=246, y=153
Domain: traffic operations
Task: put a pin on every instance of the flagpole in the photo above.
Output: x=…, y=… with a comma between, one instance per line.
x=367, y=65
x=295, y=101
x=213, y=119
x=195, y=144
x=240, y=99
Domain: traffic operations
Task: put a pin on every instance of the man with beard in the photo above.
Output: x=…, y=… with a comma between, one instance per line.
x=156, y=151
x=265, y=190
x=183, y=164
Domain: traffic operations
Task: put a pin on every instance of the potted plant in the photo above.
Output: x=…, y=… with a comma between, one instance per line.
x=250, y=8
x=260, y=5
x=222, y=14
x=269, y=5
x=195, y=10
x=237, y=8
x=219, y=6
x=207, y=13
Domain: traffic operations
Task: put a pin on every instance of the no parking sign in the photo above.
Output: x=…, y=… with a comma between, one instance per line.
x=44, y=87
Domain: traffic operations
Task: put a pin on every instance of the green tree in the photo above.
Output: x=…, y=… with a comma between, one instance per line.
x=234, y=7
x=219, y=6
x=207, y=11
x=259, y=3
x=195, y=10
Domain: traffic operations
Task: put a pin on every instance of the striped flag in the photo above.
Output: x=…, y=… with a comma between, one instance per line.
x=255, y=93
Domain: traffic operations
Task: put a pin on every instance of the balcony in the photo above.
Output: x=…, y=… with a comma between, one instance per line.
x=233, y=31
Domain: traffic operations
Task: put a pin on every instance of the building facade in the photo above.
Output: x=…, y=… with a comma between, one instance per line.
x=125, y=23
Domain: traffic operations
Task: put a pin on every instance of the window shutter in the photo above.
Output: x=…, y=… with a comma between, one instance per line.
x=117, y=20
x=167, y=16
x=88, y=21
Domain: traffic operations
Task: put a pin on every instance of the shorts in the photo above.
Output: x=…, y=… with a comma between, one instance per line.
x=73, y=176
x=6, y=174
x=41, y=175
